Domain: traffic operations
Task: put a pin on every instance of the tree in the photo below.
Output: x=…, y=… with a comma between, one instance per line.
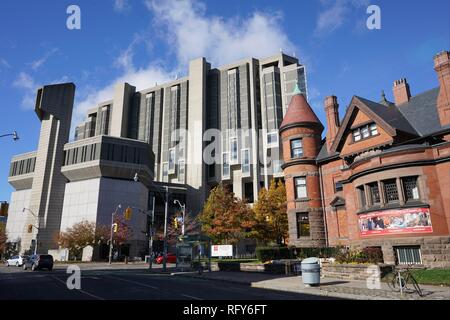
x=77, y=237
x=225, y=218
x=271, y=214
x=3, y=238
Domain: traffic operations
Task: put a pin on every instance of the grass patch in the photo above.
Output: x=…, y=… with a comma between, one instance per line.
x=432, y=276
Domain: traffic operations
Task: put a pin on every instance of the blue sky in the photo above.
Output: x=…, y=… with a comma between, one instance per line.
x=143, y=42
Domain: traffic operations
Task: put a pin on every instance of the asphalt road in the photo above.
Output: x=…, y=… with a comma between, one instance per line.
x=131, y=284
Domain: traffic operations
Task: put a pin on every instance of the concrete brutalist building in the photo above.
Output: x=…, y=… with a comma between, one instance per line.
x=160, y=133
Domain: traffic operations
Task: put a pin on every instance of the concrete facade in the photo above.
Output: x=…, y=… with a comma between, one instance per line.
x=160, y=133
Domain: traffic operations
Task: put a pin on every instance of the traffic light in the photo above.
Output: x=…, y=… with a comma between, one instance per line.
x=127, y=214
x=4, y=209
x=175, y=223
x=30, y=228
x=115, y=227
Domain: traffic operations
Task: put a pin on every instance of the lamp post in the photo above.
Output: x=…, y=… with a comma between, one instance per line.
x=183, y=210
x=112, y=232
x=37, y=228
x=13, y=134
x=166, y=209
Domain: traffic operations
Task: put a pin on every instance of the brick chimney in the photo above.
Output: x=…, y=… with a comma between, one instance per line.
x=401, y=91
x=332, y=113
x=442, y=67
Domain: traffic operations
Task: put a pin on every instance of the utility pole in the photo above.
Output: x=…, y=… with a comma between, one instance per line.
x=183, y=211
x=150, y=240
x=37, y=228
x=112, y=232
x=166, y=209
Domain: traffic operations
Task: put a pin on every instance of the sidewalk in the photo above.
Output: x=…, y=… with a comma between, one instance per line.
x=329, y=287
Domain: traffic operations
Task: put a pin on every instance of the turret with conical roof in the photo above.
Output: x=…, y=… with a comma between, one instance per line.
x=301, y=132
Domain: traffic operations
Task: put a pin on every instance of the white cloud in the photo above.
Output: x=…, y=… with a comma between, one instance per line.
x=121, y=5
x=4, y=64
x=192, y=34
x=336, y=14
x=26, y=83
x=39, y=62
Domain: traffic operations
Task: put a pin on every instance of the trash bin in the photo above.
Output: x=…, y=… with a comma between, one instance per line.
x=311, y=271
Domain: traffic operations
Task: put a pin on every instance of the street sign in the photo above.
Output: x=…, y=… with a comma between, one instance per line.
x=222, y=251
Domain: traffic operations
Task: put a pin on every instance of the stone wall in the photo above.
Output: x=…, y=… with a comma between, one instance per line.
x=348, y=271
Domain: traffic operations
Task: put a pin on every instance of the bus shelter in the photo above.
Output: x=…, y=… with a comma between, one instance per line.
x=194, y=252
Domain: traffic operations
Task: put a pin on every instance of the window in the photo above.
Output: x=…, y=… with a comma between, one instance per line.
x=373, y=129
x=234, y=150
x=272, y=139
x=362, y=197
x=374, y=193
x=300, y=187
x=390, y=190
x=172, y=160
x=365, y=132
x=303, y=227
x=165, y=171
x=245, y=161
x=356, y=135
x=225, y=165
x=277, y=166
x=181, y=171
x=411, y=188
x=296, y=148
x=409, y=255
x=338, y=186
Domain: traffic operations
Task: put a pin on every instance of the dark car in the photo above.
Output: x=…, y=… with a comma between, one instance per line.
x=39, y=261
x=171, y=258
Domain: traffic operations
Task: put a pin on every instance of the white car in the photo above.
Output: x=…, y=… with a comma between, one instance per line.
x=16, y=261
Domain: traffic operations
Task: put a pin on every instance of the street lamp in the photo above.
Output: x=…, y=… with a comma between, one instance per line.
x=183, y=210
x=14, y=135
x=112, y=232
x=166, y=209
x=37, y=228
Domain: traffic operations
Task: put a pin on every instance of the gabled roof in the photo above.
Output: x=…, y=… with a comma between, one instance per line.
x=421, y=112
x=299, y=112
x=387, y=117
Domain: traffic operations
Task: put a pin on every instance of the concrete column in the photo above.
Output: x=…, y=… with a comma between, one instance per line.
x=54, y=105
x=195, y=169
x=121, y=106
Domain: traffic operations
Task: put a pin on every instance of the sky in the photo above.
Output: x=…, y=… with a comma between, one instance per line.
x=147, y=41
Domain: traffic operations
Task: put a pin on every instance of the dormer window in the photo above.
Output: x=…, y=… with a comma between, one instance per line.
x=365, y=132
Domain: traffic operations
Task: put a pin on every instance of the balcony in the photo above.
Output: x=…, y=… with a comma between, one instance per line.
x=21, y=170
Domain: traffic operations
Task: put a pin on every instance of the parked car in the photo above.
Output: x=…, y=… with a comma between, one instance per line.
x=16, y=261
x=39, y=261
x=171, y=258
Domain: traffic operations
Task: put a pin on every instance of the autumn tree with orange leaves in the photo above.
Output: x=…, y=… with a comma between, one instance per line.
x=225, y=218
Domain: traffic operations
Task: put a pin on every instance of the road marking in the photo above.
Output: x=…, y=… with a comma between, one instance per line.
x=134, y=282
x=191, y=297
x=82, y=291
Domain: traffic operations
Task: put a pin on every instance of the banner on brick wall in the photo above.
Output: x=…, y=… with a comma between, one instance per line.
x=400, y=221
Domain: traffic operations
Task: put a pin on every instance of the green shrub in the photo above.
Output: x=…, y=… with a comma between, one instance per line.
x=273, y=253
x=371, y=255
x=325, y=252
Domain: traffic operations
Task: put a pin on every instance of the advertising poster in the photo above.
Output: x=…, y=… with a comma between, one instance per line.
x=222, y=251
x=415, y=220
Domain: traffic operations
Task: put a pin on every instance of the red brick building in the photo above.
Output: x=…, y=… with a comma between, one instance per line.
x=380, y=178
